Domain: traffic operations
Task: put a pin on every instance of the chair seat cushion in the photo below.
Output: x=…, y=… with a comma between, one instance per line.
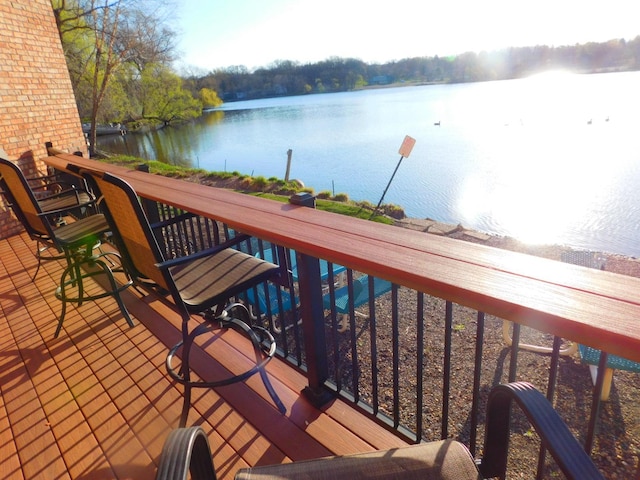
x=213, y=278
x=443, y=460
x=82, y=232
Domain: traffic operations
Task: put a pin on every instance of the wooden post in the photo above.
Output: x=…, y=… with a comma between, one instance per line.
x=286, y=175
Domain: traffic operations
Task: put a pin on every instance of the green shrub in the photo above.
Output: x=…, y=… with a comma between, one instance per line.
x=341, y=197
x=218, y=175
x=259, y=182
x=325, y=194
x=394, y=211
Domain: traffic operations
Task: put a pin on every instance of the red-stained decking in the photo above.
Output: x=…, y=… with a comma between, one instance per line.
x=97, y=403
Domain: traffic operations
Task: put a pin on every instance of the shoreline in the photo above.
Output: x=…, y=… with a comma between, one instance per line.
x=613, y=262
x=617, y=263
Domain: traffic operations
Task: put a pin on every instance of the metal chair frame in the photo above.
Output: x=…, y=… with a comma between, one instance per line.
x=74, y=242
x=147, y=264
x=187, y=450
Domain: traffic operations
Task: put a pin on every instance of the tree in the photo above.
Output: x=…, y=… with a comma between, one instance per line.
x=102, y=38
x=68, y=15
x=109, y=53
x=209, y=98
x=162, y=97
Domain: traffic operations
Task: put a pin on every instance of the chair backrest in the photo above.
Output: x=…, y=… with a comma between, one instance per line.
x=131, y=227
x=23, y=201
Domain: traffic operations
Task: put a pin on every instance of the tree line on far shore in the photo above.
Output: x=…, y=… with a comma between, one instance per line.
x=343, y=74
x=120, y=55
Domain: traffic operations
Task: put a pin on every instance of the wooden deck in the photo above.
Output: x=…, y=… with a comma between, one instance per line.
x=96, y=403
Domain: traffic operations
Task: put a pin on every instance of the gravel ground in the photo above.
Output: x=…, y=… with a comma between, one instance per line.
x=617, y=444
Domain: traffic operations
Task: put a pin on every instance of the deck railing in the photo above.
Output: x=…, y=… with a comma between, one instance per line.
x=416, y=359
x=372, y=354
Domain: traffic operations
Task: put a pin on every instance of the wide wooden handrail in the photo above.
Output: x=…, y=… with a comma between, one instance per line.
x=596, y=308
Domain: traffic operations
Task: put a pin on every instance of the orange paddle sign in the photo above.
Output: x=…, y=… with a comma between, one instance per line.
x=407, y=146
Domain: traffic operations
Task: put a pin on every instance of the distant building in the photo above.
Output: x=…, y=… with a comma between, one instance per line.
x=381, y=80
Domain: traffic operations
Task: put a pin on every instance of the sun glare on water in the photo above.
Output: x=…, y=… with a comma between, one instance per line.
x=532, y=206
x=545, y=177
x=550, y=76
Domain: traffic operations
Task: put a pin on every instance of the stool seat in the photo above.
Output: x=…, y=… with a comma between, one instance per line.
x=441, y=460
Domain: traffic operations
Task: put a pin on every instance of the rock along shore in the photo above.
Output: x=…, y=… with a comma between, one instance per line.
x=613, y=262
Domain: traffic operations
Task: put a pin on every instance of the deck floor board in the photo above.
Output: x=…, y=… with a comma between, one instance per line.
x=97, y=402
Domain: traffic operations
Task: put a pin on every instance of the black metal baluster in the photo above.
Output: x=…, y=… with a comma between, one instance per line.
x=446, y=383
x=419, y=365
x=477, y=371
x=396, y=356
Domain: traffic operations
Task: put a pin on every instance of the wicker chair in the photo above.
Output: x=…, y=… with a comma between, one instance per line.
x=187, y=451
x=203, y=282
x=74, y=241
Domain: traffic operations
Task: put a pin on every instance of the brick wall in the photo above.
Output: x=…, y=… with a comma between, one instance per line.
x=37, y=104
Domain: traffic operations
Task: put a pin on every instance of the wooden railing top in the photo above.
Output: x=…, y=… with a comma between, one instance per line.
x=596, y=308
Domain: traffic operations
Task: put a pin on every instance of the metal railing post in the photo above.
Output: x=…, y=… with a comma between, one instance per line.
x=151, y=209
x=313, y=329
x=312, y=314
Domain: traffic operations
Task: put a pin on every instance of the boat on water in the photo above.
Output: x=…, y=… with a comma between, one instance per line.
x=110, y=129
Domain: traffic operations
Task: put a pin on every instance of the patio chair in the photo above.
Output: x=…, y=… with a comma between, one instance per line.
x=61, y=187
x=360, y=292
x=187, y=451
x=73, y=242
x=51, y=195
x=56, y=184
x=200, y=283
x=270, y=300
x=590, y=355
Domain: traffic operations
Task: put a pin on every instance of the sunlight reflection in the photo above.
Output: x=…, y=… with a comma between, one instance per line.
x=551, y=176
x=536, y=202
x=550, y=76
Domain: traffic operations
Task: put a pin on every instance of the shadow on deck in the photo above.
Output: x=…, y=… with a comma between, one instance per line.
x=97, y=403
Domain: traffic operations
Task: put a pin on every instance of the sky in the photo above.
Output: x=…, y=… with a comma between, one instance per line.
x=255, y=33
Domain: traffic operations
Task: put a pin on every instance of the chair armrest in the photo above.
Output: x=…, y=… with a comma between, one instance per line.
x=553, y=432
x=55, y=183
x=51, y=188
x=170, y=221
x=66, y=210
x=45, y=180
x=72, y=190
x=186, y=450
x=42, y=177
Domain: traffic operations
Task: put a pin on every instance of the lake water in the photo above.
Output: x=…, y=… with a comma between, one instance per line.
x=549, y=159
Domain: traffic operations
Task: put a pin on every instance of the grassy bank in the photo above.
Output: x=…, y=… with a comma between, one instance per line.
x=272, y=188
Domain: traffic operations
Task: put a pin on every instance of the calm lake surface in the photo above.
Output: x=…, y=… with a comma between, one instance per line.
x=548, y=159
